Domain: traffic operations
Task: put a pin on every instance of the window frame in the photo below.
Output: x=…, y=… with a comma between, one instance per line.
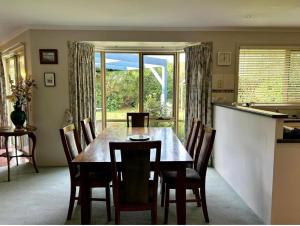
x=174, y=119
x=14, y=53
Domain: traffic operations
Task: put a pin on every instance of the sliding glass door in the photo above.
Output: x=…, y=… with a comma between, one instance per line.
x=138, y=82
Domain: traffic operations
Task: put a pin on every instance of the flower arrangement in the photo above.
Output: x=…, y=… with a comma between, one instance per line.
x=21, y=91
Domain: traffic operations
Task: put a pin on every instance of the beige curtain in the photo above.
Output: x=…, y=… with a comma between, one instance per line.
x=82, y=82
x=198, y=72
x=3, y=109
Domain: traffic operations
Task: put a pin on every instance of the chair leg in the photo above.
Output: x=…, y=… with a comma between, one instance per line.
x=162, y=190
x=72, y=200
x=203, y=201
x=167, y=200
x=107, y=190
x=117, y=215
x=154, y=215
x=196, y=192
x=79, y=195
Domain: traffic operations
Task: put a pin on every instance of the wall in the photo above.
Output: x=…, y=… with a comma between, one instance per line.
x=244, y=156
x=50, y=103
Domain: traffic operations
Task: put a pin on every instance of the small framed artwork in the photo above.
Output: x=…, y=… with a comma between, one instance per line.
x=224, y=58
x=48, y=56
x=49, y=79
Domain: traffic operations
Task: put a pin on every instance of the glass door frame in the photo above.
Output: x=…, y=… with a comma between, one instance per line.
x=141, y=55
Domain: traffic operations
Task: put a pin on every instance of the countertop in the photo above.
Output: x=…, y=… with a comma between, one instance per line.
x=270, y=114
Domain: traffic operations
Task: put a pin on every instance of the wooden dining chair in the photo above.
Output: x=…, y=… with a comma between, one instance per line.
x=72, y=148
x=193, y=136
x=196, y=134
x=133, y=191
x=188, y=140
x=138, y=119
x=195, y=178
x=88, y=131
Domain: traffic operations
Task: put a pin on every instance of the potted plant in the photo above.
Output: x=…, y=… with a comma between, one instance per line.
x=21, y=95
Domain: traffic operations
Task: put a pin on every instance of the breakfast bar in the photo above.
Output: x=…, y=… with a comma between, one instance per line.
x=251, y=154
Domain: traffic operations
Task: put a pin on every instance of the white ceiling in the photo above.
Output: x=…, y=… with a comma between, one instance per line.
x=17, y=15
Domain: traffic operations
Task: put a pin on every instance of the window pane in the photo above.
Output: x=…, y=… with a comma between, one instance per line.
x=158, y=85
x=98, y=92
x=122, y=84
x=181, y=95
x=21, y=60
x=155, y=123
x=269, y=76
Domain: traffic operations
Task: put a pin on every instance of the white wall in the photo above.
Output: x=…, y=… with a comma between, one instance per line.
x=50, y=103
x=244, y=156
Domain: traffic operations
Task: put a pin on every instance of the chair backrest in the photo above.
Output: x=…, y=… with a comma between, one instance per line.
x=205, y=151
x=193, y=136
x=198, y=144
x=138, y=119
x=88, y=131
x=190, y=134
x=71, y=144
x=135, y=169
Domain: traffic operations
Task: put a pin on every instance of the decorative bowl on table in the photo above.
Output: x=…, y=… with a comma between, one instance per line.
x=139, y=137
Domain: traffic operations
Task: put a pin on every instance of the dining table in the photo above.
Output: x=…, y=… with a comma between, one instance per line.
x=96, y=156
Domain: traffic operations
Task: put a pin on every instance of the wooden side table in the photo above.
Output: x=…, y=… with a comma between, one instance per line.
x=11, y=132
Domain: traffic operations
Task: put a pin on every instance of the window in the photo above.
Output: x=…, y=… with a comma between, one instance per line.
x=137, y=82
x=181, y=97
x=158, y=85
x=14, y=68
x=122, y=84
x=269, y=75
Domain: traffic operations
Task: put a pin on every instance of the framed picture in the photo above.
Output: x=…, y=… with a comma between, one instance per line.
x=48, y=56
x=224, y=58
x=49, y=79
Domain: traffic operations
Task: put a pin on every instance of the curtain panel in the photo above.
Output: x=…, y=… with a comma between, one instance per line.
x=82, y=83
x=3, y=109
x=198, y=76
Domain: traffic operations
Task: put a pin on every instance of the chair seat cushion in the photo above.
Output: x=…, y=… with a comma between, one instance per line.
x=192, y=176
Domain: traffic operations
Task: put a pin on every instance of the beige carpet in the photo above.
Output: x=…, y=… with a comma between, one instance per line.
x=43, y=198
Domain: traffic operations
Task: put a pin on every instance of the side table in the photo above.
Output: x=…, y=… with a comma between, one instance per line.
x=11, y=132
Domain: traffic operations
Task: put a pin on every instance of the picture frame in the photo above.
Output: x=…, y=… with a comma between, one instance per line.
x=48, y=56
x=224, y=58
x=49, y=79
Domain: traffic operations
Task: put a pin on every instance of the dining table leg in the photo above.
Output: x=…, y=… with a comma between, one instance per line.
x=180, y=195
x=85, y=195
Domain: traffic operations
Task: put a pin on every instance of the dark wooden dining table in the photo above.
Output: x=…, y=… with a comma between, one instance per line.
x=96, y=157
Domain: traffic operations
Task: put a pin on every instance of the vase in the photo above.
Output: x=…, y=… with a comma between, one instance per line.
x=18, y=116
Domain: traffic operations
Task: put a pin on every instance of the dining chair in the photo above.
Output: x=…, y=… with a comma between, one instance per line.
x=72, y=148
x=138, y=119
x=88, y=131
x=193, y=136
x=195, y=178
x=134, y=191
x=190, y=133
x=196, y=134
